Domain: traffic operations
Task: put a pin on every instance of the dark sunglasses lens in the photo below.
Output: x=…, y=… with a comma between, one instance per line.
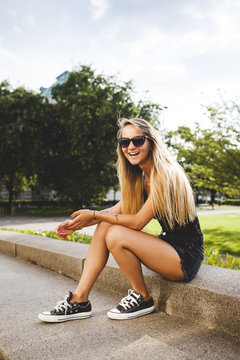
x=138, y=141
x=124, y=143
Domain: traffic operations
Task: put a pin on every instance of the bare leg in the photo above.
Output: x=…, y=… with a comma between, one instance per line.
x=130, y=246
x=96, y=260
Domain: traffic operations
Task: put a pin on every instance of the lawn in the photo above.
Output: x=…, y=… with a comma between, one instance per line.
x=221, y=232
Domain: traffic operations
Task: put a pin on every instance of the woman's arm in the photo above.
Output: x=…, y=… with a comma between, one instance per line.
x=135, y=221
x=68, y=226
x=116, y=209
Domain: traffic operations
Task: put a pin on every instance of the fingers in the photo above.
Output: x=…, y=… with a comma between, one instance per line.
x=61, y=230
x=75, y=213
x=63, y=224
x=71, y=225
x=61, y=234
x=74, y=224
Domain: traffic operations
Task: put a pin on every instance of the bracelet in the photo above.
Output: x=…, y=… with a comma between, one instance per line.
x=94, y=215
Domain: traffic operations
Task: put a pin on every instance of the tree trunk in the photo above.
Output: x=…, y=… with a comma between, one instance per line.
x=10, y=199
x=213, y=195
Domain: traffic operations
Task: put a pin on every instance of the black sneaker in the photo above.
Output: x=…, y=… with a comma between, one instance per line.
x=131, y=306
x=65, y=311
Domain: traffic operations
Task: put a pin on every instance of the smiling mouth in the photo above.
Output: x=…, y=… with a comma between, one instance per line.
x=133, y=154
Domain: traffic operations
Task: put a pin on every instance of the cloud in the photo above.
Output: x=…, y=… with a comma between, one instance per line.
x=10, y=63
x=192, y=11
x=11, y=12
x=30, y=20
x=98, y=8
x=64, y=18
x=17, y=30
x=32, y=70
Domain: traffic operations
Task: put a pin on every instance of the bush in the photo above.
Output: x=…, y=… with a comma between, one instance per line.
x=235, y=202
x=216, y=259
x=75, y=237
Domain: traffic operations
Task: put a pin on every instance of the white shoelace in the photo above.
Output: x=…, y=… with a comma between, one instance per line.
x=130, y=300
x=63, y=305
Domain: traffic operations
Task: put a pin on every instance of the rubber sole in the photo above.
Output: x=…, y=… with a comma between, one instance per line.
x=127, y=316
x=62, y=318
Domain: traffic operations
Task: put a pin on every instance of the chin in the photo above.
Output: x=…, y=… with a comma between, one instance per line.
x=134, y=164
x=133, y=161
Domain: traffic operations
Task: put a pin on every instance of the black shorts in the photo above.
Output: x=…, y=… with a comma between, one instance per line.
x=190, y=251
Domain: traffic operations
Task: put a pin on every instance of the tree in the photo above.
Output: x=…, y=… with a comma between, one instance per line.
x=225, y=118
x=88, y=105
x=211, y=157
x=20, y=143
x=68, y=144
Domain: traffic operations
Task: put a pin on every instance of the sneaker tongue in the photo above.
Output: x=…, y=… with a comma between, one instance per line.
x=70, y=295
x=135, y=294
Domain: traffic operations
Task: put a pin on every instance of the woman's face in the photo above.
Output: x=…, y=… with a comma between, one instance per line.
x=135, y=155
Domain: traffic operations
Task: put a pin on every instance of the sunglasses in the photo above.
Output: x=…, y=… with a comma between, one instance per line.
x=137, y=141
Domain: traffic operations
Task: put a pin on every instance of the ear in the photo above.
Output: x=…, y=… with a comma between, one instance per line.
x=150, y=146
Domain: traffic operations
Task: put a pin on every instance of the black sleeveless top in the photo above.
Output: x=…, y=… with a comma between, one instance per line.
x=187, y=240
x=180, y=234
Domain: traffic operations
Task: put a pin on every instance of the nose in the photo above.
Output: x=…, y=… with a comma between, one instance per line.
x=131, y=146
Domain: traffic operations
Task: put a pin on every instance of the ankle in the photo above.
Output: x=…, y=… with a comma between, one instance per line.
x=146, y=296
x=78, y=298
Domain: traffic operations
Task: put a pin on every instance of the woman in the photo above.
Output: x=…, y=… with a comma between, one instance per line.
x=153, y=185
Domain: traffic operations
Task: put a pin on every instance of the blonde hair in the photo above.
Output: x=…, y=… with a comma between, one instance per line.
x=170, y=190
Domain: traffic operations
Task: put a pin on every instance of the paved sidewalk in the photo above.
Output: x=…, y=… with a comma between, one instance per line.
x=37, y=223
x=210, y=212
x=27, y=289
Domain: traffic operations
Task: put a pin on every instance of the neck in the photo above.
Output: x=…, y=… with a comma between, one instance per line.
x=146, y=168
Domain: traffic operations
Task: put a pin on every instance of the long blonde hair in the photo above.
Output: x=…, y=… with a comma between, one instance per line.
x=170, y=190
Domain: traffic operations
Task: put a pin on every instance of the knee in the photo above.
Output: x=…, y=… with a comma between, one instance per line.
x=100, y=231
x=113, y=237
x=102, y=226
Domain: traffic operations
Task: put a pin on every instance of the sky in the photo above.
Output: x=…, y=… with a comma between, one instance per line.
x=178, y=53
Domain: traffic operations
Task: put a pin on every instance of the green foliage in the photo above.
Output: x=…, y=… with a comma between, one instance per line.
x=68, y=145
x=211, y=157
x=215, y=259
x=75, y=237
x=23, y=118
x=234, y=202
x=80, y=238
x=88, y=105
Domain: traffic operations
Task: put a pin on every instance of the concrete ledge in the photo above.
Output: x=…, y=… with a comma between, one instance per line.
x=212, y=298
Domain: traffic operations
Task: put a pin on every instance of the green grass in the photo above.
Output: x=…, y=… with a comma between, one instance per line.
x=221, y=233
x=153, y=228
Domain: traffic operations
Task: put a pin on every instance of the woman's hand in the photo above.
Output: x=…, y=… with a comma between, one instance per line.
x=62, y=230
x=82, y=219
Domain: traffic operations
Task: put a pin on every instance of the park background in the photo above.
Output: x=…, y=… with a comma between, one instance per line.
x=173, y=63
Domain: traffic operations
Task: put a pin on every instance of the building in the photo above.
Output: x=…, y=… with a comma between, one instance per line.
x=47, y=92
